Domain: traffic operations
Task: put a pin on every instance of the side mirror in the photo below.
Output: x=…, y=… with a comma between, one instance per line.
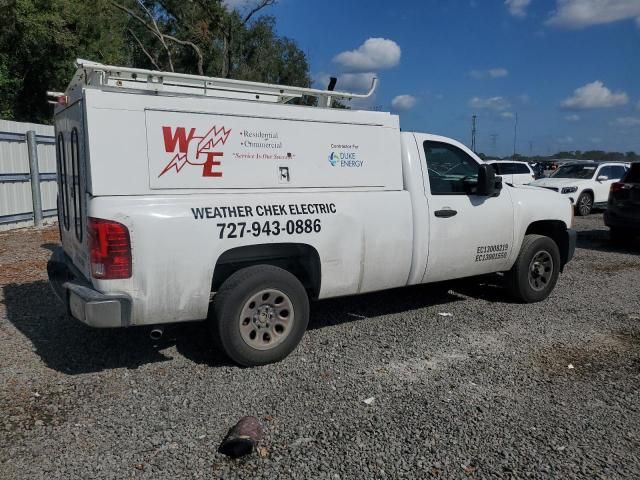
x=489, y=184
x=602, y=178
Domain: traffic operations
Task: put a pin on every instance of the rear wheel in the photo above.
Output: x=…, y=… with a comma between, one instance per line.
x=261, y=313
x=584, y=204
x=535, y=273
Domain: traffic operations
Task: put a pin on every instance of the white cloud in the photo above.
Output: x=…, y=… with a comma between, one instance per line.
x=627, y=122
x=595, y=95
x=517, y=8
x=524, y=98
x=507, y=115
x=374, y=54
x=572, y=118
x=492, y=103
x=584, y=13
x=239, y=4
x=491, y=73
x=564, y=140
x=403, y=102
x=347, y=82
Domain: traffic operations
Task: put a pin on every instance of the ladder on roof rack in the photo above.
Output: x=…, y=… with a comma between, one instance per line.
x=97, y=74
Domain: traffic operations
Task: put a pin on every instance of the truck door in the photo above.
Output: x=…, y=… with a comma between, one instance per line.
x=70, y=159
x=468, y=234
x=602, y=187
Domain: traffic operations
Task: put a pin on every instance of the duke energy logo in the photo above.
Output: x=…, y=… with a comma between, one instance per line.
x=345, y=160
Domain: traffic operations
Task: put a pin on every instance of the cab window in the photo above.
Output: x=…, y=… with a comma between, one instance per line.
x=449, y=168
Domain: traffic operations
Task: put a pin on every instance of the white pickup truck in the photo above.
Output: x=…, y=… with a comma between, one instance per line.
x=186, y=198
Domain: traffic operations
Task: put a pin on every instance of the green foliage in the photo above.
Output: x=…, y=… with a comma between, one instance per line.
x=40, y=39
x=597, y=155
x=38, y=44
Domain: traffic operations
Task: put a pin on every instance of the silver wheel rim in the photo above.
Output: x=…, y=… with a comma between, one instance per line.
x=585, y=204
x=540, y=270
x=266, y=319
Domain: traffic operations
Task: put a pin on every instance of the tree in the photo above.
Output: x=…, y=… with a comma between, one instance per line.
x=40, y=39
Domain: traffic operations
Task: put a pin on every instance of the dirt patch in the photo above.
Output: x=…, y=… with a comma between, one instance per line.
x=24, y=253
x=25, y=408
x=615, y=267
x=617, y=353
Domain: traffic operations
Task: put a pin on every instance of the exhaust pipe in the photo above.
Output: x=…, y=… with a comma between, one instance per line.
x=156, y=333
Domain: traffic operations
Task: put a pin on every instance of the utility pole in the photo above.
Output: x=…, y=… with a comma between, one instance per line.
x=473, y=133
x=515, y=135
x=530, y=149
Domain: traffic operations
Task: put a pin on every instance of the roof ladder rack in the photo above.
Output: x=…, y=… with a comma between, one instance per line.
x=97, y=74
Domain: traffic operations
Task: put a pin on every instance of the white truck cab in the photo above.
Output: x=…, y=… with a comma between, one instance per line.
x=186, y=198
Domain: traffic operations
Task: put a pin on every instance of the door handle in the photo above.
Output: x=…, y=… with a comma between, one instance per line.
x=446, y=213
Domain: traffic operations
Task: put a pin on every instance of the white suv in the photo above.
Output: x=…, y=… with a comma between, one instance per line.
x=586, y=184
x=515, y=173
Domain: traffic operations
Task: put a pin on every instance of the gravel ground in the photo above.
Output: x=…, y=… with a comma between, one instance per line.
x=485, y=392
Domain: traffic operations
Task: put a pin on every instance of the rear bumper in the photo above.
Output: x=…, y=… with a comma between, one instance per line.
x=616, y=220
x=81, y=301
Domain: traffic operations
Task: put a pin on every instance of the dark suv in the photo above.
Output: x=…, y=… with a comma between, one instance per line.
x=623, y=210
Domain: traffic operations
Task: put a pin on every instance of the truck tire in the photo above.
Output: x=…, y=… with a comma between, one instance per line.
x=535, y=273
x=260, y=315
x=584, y=204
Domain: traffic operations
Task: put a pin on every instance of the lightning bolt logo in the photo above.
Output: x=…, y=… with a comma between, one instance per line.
x=213, y=138
x=195, y=146
x=177, y=162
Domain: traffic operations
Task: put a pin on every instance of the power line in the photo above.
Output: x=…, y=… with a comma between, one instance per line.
x=515, y=135
x=473, y=133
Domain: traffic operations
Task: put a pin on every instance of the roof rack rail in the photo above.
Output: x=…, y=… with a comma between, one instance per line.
x=96, y=74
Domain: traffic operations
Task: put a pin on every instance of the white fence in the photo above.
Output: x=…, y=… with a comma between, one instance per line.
x=16, y=204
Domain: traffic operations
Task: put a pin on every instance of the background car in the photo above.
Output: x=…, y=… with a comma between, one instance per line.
x=586, y=184
x=623, y=209
x=538, y=169
x=515, y=173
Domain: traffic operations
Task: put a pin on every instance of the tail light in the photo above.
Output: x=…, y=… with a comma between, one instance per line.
x=616, y=187
x=109, y=249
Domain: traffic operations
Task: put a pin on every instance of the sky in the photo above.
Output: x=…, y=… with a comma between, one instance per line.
x=569, y=69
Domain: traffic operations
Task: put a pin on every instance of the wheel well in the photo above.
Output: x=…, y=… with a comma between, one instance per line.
x=557, y=231
x=299, y=259
x=587, y=190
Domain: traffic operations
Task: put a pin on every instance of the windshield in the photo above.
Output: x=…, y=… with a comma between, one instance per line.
x=575, y=171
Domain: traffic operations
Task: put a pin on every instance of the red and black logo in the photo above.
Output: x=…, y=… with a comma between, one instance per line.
x=194, y=150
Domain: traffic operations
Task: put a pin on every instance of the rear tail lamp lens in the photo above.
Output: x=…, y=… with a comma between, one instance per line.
x=616, y=187
x=109, y=249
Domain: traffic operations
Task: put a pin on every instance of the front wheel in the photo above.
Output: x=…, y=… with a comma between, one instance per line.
x=536, y=271
x=584, y=204
x=261, y=313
